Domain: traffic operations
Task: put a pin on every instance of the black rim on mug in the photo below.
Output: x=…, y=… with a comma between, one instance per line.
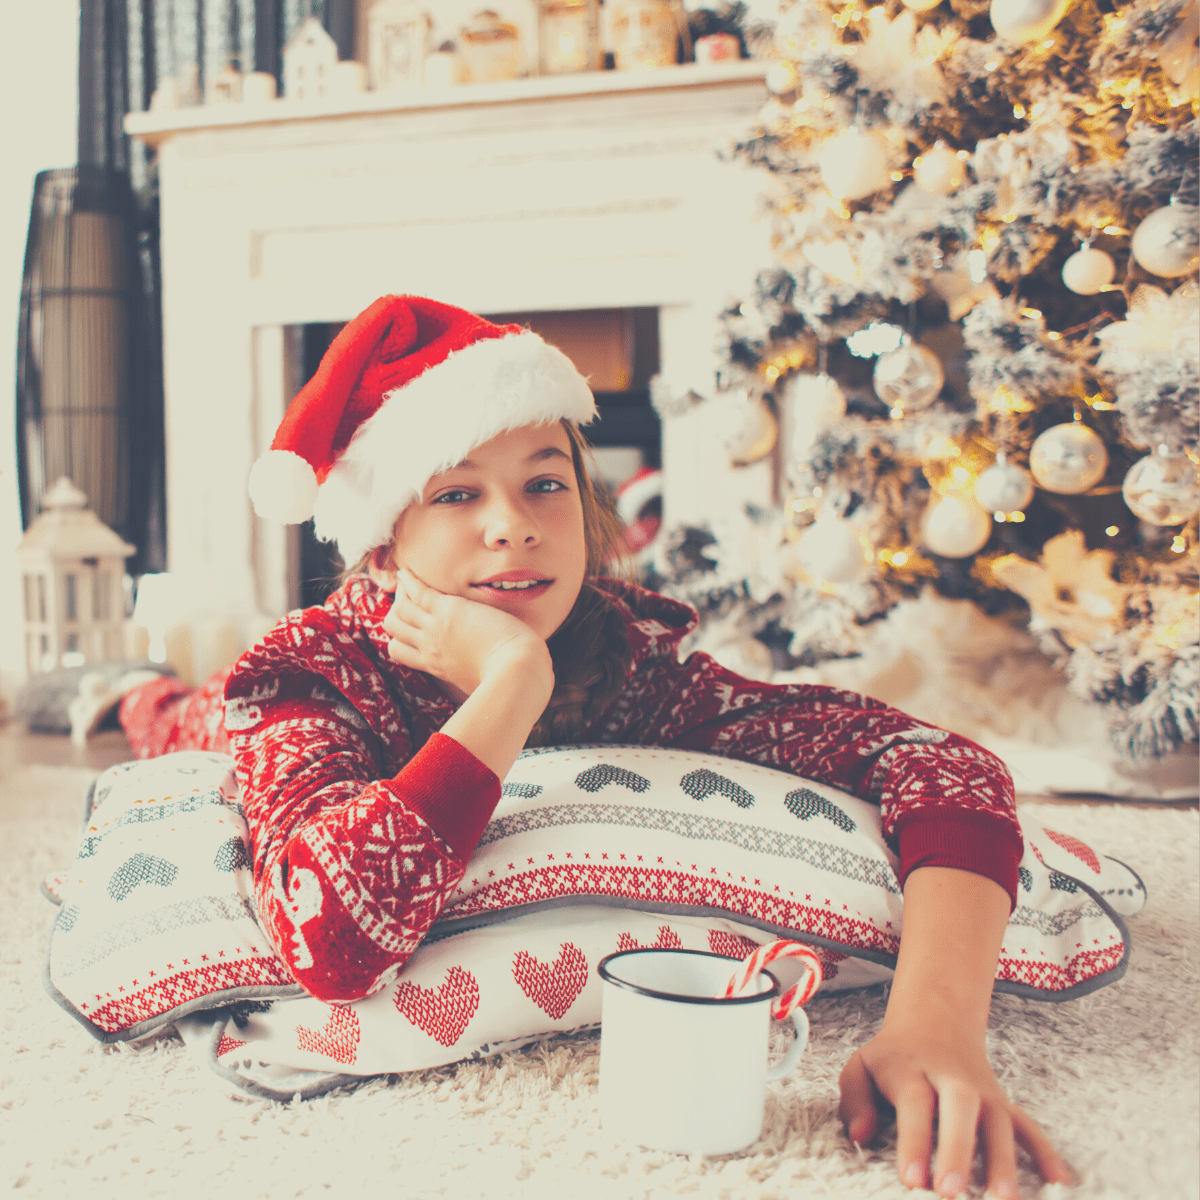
x=608, y=976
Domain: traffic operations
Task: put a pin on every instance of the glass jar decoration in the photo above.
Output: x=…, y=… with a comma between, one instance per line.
x=568, y=36
x=397, y=43
x=490, y=48
x=645, y=33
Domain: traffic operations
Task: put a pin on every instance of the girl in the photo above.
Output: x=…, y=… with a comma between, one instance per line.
x=371, y=734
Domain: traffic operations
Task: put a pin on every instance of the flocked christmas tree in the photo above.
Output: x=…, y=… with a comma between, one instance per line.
x=979, y=341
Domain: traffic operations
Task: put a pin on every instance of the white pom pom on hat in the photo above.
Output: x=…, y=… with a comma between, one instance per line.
x=283, y=487
x=407, y=389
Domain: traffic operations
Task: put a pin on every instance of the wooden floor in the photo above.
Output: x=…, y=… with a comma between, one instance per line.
x=20, y=748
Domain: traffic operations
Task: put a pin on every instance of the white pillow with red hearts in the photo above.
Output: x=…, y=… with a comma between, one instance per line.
x=590, y=847
x=468, y=995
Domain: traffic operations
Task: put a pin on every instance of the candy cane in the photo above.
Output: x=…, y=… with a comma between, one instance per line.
x=756, y=962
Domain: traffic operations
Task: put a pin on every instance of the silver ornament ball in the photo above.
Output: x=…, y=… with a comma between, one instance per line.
x=909, y=377
x=1026, y=20
x=954, y=527
x=1088, y=271
x=939, y=171
x=814, y=402
x=1003, y=487
x=853, y=164
x=1167, y=242
x=1068, y=459
x=781, y=76
x=746, y=427
x=833, y=550
x=1162, y=488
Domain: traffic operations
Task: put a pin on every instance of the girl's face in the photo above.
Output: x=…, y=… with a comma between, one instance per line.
x=510, y=514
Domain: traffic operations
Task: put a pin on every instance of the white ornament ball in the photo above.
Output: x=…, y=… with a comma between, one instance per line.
x=1003, y=487
x=921, y=5
x=1162, y=488
x=909, y=377
x=954, y=527
x=781, y=76
x=938, y=171
x=833, y=550
x=853, y=164
x=747, y=657
x=1167, y=242
x=1026, y=20
x=1088, y=271
x=814, y=403
x=1068, y=459
x=747, y=428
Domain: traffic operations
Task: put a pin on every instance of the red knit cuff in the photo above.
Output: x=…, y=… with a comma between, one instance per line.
x=940, y=836
x=451, y=790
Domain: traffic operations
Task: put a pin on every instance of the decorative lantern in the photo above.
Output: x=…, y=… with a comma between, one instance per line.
x=568, y=36
x=397, y=41
x=490, y=48
x=308, y=62
x=71, y=567
x=645, y=33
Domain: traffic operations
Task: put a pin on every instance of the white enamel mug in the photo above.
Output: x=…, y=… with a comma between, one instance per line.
x=680, y=1068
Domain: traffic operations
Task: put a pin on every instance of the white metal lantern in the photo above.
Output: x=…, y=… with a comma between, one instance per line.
x=568, y=36
x=397, y=43
x=71, y=566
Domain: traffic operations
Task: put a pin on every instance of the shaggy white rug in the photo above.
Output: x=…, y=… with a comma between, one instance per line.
x=1114, y=1077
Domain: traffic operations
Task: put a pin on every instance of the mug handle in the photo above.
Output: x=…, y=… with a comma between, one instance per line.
x=792, y=1057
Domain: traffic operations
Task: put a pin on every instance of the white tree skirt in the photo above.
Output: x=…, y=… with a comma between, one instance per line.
x=1114, y=1077
x=945, y=662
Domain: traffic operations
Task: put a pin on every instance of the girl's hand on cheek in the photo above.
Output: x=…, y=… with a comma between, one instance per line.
x=928, y=1070
x=459, y=641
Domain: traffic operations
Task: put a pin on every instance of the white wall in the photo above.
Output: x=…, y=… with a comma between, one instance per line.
x=38, y=98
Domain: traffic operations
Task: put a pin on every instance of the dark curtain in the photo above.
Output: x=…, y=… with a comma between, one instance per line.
x=126, y=47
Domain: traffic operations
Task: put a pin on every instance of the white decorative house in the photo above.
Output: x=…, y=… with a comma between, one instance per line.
x=72, y=566
x=309, y=60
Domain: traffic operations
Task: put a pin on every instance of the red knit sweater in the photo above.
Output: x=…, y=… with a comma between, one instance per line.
x=363, y=815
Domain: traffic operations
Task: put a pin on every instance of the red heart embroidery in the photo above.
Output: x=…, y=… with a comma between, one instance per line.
x=731, y=945
x=829, y=960
x=1074, y=846
x=443, y=1014
x=226, y=1044
x=336, y=1039
x=553, y=989
x=667, y=939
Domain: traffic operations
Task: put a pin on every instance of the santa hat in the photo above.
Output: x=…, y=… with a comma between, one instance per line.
x=407, y=389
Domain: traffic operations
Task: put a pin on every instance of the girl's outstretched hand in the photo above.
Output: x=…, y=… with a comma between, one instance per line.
x=928, y=1061
x=460, y=641
x=929, y=1069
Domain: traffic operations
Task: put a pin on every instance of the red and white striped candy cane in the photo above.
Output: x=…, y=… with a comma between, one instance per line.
x=755, y=963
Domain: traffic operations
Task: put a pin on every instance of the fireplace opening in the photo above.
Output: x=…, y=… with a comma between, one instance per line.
x=616, y=348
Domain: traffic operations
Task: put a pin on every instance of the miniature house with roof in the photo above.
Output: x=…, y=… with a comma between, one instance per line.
x=309, y=59
x=71, y=566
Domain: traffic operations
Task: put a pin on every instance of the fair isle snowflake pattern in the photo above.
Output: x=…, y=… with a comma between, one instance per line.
x=335, y=747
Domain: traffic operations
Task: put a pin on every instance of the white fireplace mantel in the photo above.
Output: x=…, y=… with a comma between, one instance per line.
x=598, y=190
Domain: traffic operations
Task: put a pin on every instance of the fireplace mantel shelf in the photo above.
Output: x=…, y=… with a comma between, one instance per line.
x=154, y=128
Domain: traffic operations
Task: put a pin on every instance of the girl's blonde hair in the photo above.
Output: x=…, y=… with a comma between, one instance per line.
x=590, y=651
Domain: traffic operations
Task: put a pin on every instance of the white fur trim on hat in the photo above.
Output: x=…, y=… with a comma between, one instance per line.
x=434, y=422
